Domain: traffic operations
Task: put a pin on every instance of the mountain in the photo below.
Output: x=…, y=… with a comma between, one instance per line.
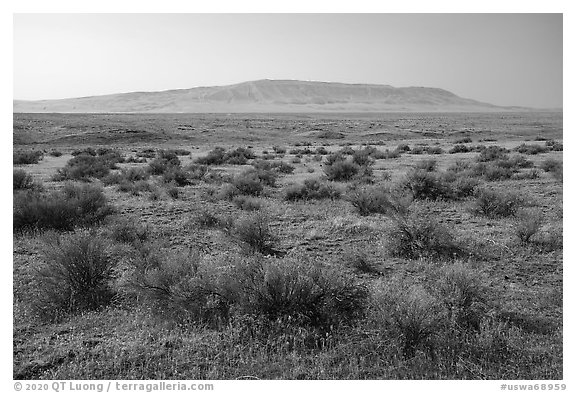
x=268, y=96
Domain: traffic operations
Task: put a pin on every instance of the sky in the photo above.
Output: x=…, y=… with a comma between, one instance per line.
x=503, y=59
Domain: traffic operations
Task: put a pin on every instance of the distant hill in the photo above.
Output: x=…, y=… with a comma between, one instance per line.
x=269, y=96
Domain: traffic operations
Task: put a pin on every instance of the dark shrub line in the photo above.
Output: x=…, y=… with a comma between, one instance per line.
x=27, y=157
x=74, y=205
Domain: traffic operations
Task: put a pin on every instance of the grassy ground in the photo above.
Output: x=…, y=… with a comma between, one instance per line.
x=519, y=337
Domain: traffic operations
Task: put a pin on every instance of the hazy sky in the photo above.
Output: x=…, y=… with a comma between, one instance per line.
x=504, y=59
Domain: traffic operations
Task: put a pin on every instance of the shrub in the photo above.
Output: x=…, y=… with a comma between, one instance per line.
x=460, y=166
x=146, y=153
x=277, y=166
x=341, y=170
x=113, y=178
x=266, y=177
x=75, y=276
x=174, y=152
x=528, y=222
x=173, y=191
x=248, y=183
x=346, y=151
x=55, y=153
x=462, y=186
x=219, y=156
x=548, y=241
x=466, y=139
x=84, y=166
x=27, y=157
x=284, y=167
x=387, y=154
x=531, y=175
x=558, y=173
x=334, y=157
x=89, y=151
x=427, y=165
x=426, y=185
x=227, y=192
x=135, y=160
x=492, y=153
x=464, y=293
x=358, y=259
x=197, y=172
x=112, y=157
x=33, y=210
x=163, y=163
x=420, y=236
x=73, y=206
x=311, y=189
x=519, y=161
x=22, y=180
x=89, y=201
x=155, y=194
x=283, y=292
x=409, y=311
x=176, y=175
x=322, y=151
x=126, y=176
x=554, y=145
x=495, y=204
x=247, y=203
x=169, y=155
x=362, y=158
x=102, y=151
x=206, y=219
x=551, y=165
x=460, y=149
x=135, y=174
x=253, y=233
x=403, y=147
x=377, y=199
x=279, y=150
x=495, y=173
x=418, y=150
x=381, y=155
x=531, y=149
x=240, y=153
x=298, y=292
x=385, y=175
x=434, y=150
x=214, y=157
x=134, y=188
x=124, y=230
x=328, y=134
x=240, y=160
x=177, y=286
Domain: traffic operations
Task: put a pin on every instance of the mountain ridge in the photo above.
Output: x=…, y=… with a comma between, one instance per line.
x=267, y=96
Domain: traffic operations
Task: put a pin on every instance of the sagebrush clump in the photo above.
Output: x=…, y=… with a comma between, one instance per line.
x=311, y=189
x=377, y=199
x=76, y=275
x=27, y=157
x=254, y=234
x=22, y=180
x=75, y=205
x=85, y=166
x=416, y=236
x=497, y=204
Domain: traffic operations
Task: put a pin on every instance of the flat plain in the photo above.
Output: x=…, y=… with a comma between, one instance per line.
x=310, y=246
